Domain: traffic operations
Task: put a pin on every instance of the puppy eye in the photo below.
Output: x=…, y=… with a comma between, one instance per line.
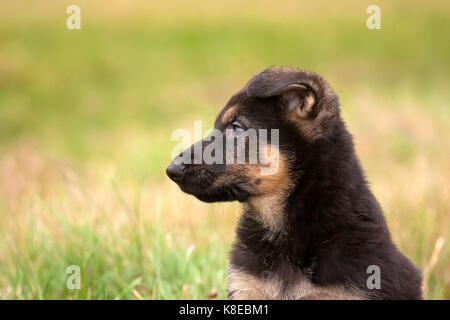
x=237, y=129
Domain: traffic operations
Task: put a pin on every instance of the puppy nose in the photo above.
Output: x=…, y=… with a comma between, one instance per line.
x=175, y=170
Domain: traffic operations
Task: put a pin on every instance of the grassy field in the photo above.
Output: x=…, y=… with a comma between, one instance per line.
x=86, y=118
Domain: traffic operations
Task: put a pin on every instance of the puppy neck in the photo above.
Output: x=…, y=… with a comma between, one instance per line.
x=269, y=212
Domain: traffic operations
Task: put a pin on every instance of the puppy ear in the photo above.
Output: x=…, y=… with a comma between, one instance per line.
x=298, y=94
x=309, y=101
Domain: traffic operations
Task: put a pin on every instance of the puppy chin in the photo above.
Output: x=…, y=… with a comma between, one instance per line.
x=207, y=198
x=225, y=194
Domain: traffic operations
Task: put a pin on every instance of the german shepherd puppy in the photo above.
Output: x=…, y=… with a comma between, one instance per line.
x=312, y=229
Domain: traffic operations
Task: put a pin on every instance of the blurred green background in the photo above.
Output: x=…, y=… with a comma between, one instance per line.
x=86, y=118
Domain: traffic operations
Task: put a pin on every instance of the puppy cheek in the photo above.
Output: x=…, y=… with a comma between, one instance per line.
x=228, y=175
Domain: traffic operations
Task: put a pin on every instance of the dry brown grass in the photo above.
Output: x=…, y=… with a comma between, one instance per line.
x=412, y=188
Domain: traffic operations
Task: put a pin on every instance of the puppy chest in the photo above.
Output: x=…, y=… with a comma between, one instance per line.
x=244, y=285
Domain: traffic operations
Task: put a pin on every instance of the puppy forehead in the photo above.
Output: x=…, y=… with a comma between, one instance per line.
x=243, y=107
x=231, y=109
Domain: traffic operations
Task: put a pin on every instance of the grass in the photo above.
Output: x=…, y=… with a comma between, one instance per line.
x=86, y=118
x=153, y=244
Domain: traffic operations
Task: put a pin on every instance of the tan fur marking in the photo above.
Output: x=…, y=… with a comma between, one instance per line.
x=296, y=110
x=242, y=286
x=309, y=103
x=228, y=114
x=269, y=194
x=312, y=129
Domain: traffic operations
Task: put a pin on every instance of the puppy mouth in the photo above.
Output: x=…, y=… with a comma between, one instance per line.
x=226, y=193
x=200, y=182
x=231, y=192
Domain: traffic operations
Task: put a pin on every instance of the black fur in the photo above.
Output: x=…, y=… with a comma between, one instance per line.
x=335, y=227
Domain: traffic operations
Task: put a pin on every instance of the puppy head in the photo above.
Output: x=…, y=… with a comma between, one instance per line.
x=270, y=123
